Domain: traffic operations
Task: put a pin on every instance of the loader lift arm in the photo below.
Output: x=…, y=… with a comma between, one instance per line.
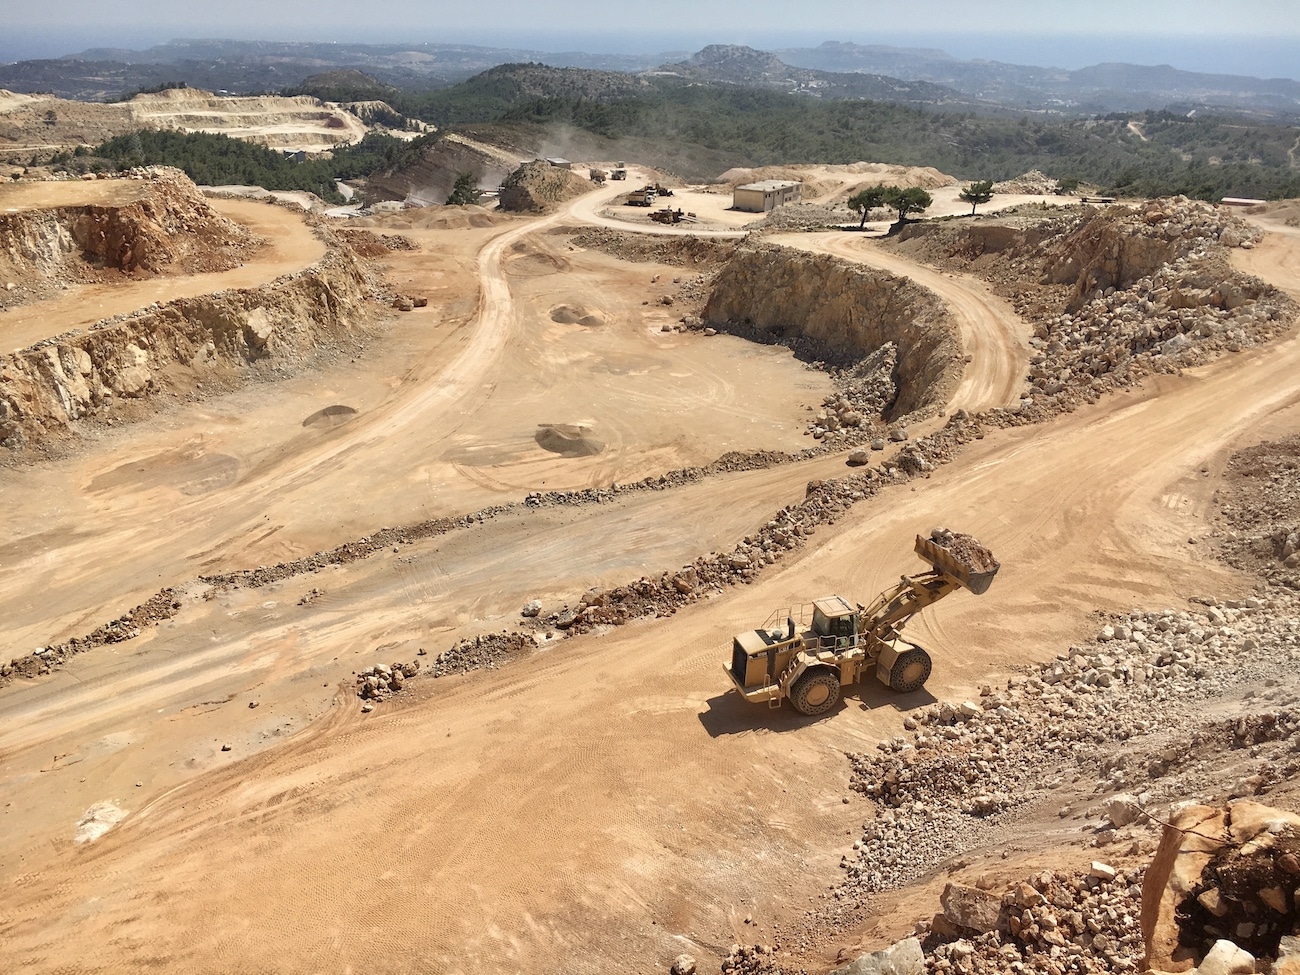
x=895, y=606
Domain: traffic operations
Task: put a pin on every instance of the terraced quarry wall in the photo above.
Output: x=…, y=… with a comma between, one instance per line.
x=47, y=389
x=841, y=313
x=155, y=224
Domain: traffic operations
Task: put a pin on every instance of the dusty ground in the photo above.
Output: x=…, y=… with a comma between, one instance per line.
x=604, y=803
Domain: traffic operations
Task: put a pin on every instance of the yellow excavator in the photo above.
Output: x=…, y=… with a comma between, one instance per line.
x=808, y=655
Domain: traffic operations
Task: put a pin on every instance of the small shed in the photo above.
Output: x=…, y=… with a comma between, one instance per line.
x=763, y=196
x=559, y=162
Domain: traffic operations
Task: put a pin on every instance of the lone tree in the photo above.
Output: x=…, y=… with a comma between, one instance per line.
x=465, y=190
x=864, y=201
x=977, y=193
x=905, y=201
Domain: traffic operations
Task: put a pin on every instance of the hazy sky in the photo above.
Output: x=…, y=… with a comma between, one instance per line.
x=1267, y=17
x=1143, y=31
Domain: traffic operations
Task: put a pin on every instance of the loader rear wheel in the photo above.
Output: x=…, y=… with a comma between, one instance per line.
x=910, y=671
x=815, y=692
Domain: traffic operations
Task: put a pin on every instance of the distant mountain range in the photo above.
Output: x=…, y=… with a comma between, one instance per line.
x=833, y=70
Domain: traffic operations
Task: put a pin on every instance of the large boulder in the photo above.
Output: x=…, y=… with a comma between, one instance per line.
x=903, y=958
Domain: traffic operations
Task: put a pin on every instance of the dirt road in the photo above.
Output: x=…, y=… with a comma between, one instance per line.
x=604, y=804
x=996, y=338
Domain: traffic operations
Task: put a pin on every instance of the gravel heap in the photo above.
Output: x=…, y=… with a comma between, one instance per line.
x=1033, y=182
x=808, y=216
x=162, y=605
x=676, y=251
x=1141, y=685
x=1055, y=923
x=377, y=682
x=865, y=392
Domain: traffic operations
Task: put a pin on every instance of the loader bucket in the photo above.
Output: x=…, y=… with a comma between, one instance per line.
x=961, y=557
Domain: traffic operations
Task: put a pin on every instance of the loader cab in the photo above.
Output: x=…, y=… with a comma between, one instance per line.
x=835, y=621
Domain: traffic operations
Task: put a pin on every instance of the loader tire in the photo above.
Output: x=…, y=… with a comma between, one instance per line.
x=910, y=671
x=816, y=692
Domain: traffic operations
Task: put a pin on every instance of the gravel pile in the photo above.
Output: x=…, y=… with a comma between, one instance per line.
x=1141, y=686
x=378, y=682
x=808, y=216
x=163, y=605
x=1053, y=923
x=676, y=251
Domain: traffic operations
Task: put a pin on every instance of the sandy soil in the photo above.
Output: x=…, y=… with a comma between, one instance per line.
x=605, y=803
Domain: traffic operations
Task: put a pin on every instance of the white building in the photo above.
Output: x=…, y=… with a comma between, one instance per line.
x=761, y=197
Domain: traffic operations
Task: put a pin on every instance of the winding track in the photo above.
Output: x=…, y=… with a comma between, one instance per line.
x=605, y=804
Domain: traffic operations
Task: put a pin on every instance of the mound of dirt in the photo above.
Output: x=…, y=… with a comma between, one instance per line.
x=827, y=184
x=567, y=439
x=536, y=187
x=331, y=416
x=568, y=315
x=434, y=218
x=153, y=223
x=429, y=180
x=677, y=251
x=1032, y=182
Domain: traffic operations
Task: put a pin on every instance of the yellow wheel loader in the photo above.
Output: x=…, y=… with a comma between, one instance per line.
x=808, y=655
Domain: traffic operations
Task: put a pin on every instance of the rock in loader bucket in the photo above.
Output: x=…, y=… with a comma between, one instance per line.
x=961, y=557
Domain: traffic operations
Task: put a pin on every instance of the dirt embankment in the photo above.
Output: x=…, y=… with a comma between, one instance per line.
x=46, y=391
x=536, y=187
x=841, y=313
x=159, y=224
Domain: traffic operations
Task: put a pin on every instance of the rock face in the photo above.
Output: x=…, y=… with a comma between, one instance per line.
x=1221, y=873
x=162, y=225
x=46, y=389
x=841, y=313
x=538, y=186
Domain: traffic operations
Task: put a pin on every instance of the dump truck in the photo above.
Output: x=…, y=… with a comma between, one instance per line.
x=643, y=197
x=618, y=172
x=597, y=176
x=808, y=655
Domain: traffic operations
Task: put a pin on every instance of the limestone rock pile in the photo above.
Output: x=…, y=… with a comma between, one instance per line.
x=943, y=788
x=1261, y=506
x=1055, y=921
x=866, y=392
x=378, y=682
x=163, y=605
x=1117, y=246
x=480, y=652
x=538, y=186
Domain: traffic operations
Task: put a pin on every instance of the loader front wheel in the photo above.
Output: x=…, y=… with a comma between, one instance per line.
x=910, y=671
x=815, y=692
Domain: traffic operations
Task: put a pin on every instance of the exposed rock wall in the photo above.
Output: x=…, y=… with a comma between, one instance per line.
x=46, y=390
x=841, y=313
x=161, y=225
